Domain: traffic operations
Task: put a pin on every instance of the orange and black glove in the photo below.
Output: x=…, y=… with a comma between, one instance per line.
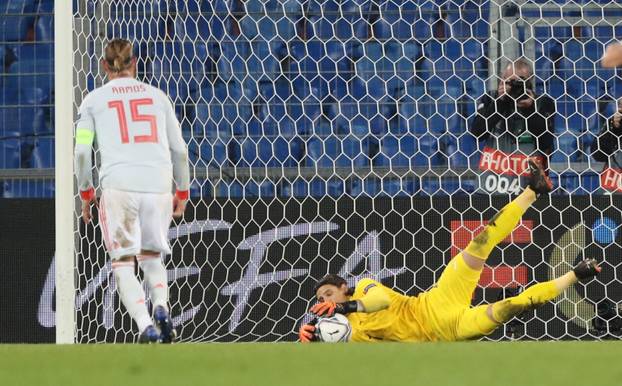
x=306, y=333
x=324, y=309
x=330, y=308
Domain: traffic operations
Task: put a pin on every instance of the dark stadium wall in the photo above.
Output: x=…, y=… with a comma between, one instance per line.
x=26, y=251
x=244, y=269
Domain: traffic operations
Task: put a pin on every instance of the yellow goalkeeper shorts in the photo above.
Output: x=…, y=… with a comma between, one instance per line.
x=447, y=306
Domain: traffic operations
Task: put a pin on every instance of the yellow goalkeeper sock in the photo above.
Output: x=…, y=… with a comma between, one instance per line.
x=531, y=298
x=499, y=227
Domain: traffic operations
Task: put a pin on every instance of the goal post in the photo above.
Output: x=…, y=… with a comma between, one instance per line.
x=332, y=136
x=64, y=259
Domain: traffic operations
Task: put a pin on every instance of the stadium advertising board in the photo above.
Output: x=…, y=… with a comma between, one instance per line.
x=243, y=270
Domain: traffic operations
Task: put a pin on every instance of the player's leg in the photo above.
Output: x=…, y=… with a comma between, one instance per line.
x=155, y=218
x=458, y=281
x=499, y=227
x=541, y=293
x=460, y=277
x=118, y=213
x=483, y=320
x=502, y=224
x=454, y=289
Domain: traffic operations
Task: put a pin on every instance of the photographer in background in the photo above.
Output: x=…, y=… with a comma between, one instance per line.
x=606, y=148
x=515, y=124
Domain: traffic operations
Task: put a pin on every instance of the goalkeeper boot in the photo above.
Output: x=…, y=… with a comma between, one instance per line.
x=149, y=335
x=164, y=322
x=587, y=269
x=539, y=182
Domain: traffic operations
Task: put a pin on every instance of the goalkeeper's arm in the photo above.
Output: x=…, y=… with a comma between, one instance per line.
x=376, y=299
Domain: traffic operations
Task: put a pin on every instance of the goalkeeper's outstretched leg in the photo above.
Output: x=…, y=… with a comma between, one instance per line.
x=484, y=319
x=459, y=279
x=504, y=222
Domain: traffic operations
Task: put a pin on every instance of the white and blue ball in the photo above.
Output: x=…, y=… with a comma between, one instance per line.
x=333, y=329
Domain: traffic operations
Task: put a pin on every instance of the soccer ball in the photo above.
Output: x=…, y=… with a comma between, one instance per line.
x=333, y=329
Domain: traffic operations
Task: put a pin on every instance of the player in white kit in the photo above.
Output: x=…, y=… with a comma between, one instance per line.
x=142, y=154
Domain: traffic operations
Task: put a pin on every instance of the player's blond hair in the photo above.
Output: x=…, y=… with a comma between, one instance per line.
x=118, y=55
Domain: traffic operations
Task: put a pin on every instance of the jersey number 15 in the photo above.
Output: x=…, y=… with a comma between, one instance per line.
x=136, y=117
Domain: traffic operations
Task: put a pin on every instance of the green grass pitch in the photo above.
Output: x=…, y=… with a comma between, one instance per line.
x=258, y=364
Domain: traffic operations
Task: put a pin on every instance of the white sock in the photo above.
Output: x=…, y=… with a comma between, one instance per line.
x=156, y=279
x=131, y=293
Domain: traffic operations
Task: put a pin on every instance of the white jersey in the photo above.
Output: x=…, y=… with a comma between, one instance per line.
x=138, y=137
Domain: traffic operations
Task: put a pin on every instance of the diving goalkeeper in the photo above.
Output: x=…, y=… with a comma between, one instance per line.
x=444, y=313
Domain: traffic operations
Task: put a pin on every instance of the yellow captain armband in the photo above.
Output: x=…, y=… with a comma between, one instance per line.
x=84, y=136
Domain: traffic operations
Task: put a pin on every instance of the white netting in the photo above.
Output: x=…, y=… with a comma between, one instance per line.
x=333, y=136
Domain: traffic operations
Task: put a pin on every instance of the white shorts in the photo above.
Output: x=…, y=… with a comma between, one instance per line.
x=133, y=221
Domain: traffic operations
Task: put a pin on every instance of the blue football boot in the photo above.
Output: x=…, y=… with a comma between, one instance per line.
x=164, y=322
x=150, y=335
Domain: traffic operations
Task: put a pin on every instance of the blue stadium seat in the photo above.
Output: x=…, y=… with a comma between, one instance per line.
x=566, y=149
x=454, y=154
x=408, y=109
x=467, y=144
x=263, y=65
x=298, y=188
x=13, y=25
x=257, y=153
x=180, y=67
x=268, y=29
x=564, y=68
x=136, y=21
x=354, y=17
x=29, y=58
x=219, y=22
x=430, y=185
x=352, y=153
x=185, y=7
x=304, y=125
x=451, y=186
x=405, y=69
x=396, y=151
x=44, y=28
x=265, y=189
x=590, y=182
x=320, y=188
x=45, y=6
x=322, y=128
x=397, y=21
x=288, y=152
x=10, y=150
x=323, y=17
x=428, y=151
x=26, y=89
x=232, y=60
x=189, y=28
x=331, y=151
x=212, y=119
x=43, y=153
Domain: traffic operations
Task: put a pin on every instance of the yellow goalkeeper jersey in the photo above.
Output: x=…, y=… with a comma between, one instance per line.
x=401, y=321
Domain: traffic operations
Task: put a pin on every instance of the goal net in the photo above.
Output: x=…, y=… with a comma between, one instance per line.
x=332, y=136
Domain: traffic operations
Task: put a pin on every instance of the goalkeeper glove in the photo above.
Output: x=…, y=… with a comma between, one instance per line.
x=330, y=308
x=306, y=333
